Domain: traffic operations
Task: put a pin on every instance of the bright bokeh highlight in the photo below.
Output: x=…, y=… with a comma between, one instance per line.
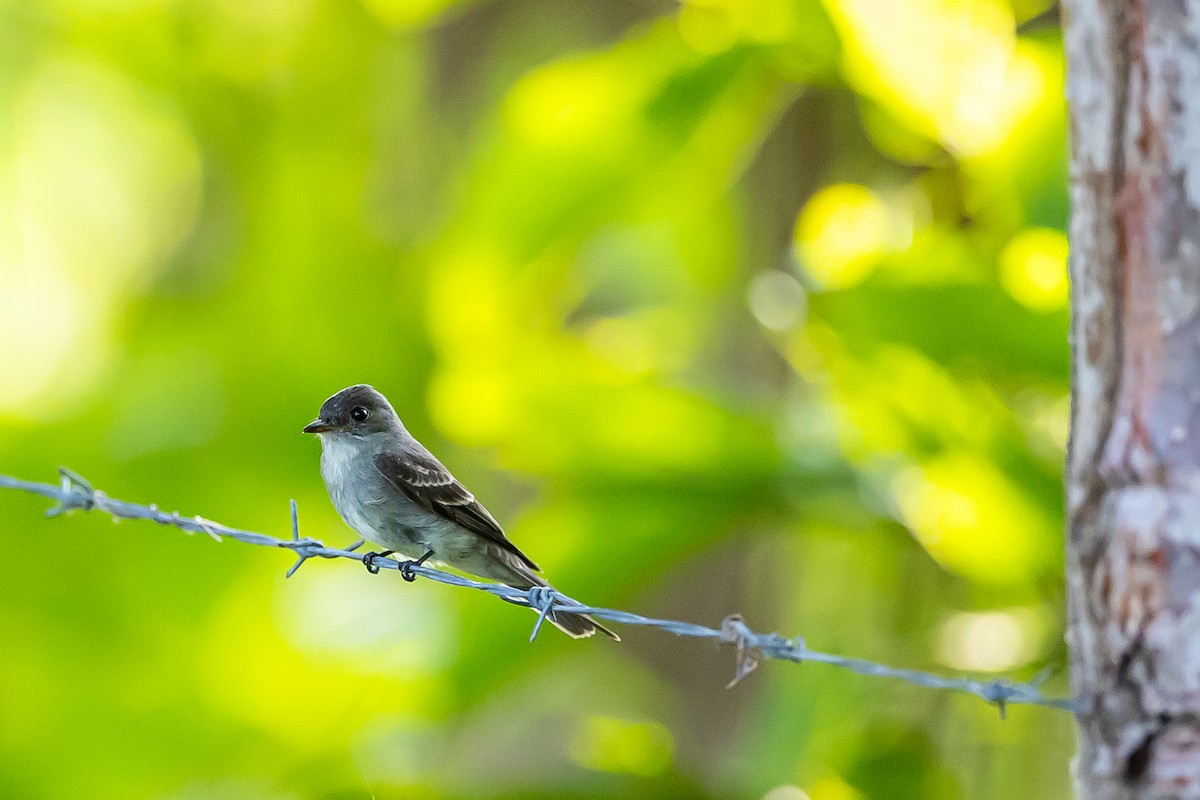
x=841, y=233
x=952, y=68
x=1033, y=268
x=992, y=641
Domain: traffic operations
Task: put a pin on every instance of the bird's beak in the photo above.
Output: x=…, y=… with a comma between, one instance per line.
x=318, y=426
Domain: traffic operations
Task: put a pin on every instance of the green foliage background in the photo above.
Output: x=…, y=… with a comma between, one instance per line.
x=751, y=305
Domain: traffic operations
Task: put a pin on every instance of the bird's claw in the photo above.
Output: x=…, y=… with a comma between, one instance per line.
x=406, y=567
x=369, y=558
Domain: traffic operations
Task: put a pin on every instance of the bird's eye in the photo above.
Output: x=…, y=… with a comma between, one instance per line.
x=359, y=414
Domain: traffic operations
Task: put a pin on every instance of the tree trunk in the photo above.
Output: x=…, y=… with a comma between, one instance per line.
x=1133, y=484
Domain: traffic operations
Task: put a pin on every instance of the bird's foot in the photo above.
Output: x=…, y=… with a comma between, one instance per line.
x=368, y=558
x=406, y=566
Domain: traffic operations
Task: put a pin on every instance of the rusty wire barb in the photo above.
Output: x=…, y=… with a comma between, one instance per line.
x=74, y=493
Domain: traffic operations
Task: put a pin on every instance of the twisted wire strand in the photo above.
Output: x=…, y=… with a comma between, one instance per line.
x=75, y=493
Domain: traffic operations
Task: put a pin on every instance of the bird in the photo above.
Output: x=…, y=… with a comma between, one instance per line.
x=393, y=492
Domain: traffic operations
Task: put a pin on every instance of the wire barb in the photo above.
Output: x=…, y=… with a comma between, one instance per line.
x=75, y=493
x=542, y=599
x=735, y=632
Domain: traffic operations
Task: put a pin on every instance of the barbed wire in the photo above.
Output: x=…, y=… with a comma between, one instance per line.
x=74, y=493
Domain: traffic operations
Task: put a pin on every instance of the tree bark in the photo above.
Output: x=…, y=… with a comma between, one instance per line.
x=1133, y=483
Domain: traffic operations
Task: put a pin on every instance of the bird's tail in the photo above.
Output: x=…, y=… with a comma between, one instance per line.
x=577, y=626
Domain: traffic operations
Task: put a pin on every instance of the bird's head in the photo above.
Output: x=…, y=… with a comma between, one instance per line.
x=356, y=410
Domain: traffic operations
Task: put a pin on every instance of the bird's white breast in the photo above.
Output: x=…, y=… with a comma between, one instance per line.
x=345, y=464
x=337, y=459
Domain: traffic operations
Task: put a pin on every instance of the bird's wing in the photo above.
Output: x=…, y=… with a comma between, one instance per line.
x=423, y=479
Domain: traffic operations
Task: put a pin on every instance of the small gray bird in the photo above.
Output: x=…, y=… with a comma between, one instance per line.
x=393, y=492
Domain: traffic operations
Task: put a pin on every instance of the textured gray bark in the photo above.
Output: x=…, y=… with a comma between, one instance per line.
x=1133, y=484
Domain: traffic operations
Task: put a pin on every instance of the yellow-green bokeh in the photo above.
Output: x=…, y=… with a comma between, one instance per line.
x=719, y=306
